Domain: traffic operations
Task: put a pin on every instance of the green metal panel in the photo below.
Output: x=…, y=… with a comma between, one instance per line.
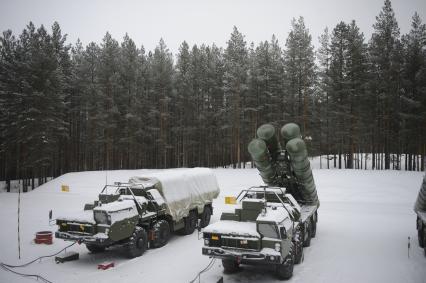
x=123, y=229
x=249, y=215
x=253, y=205
x=230, y=216
x=107, y=198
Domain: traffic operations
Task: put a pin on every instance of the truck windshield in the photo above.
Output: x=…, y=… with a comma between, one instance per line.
x=268, y=230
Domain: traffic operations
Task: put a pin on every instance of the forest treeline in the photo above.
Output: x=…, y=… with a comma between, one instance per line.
x=115, y=105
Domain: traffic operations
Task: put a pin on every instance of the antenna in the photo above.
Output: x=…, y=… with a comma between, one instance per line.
x=106, y=177
x=19, y=234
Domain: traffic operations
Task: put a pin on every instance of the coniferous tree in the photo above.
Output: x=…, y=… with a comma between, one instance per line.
x=184, y=106
x=413, y=98
x=324, y=58
x=300, y=74
x=235, y=86
x=161, y=64
x=385, y=56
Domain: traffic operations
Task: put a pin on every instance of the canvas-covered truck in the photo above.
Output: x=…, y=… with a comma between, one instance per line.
x=420, y=209
x=142, y=213
x=272, y=223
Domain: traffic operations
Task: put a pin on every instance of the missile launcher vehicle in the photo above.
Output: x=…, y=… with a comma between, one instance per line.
x=420, y=210
x=270, y=224
x=142, y=213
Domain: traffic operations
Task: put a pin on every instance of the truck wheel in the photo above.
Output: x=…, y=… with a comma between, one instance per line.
x=190, y=223
x=137, y=243
x=230, y=265
x=307, y=234
x=420, y=234
x=297, y=250
x=205, y=216
x=284, y=270
x=424, y=241
x=161, y=234
x=313, y=228
x=95, y=249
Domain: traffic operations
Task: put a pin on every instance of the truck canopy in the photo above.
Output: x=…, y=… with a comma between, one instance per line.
x=182, y=189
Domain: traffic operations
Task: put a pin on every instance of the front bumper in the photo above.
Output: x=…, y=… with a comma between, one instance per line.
x=82, y=238
x=242, y=256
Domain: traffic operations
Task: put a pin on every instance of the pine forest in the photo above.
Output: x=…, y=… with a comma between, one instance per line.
x=114, y=105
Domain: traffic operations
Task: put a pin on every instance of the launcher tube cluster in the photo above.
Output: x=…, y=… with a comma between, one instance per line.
x=284, y=166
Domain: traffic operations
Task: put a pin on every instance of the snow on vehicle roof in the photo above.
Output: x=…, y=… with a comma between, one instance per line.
x=117, y=205
x=85, y=216
x=119, y=210
x=233, y=227
x=141, y=200
x=277, y=215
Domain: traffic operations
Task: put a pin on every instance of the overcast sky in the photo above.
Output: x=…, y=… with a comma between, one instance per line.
x=197, y=21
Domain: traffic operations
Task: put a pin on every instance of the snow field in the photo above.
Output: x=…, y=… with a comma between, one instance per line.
x=365, y=219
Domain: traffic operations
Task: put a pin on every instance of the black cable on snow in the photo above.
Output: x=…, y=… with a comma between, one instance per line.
x=208, y=267
x=39, y=258
x=36, y=276
x=8, y=267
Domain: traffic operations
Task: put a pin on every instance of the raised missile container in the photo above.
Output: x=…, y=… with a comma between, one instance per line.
x=287, y=167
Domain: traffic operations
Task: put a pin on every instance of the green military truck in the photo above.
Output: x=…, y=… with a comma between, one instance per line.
x=142, y=213
x=271, y=224
x=420, y=209
x=267, y=227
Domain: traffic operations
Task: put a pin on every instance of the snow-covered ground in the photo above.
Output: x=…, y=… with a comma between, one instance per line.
x=365, y=220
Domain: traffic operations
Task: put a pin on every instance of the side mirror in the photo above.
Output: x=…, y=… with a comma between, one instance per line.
x=199, y=225
x=50, y=217
x=283, y=233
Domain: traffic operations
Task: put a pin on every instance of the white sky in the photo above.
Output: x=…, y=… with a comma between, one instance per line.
x=196, y=21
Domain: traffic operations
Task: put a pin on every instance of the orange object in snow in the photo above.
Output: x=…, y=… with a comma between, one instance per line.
x=43, y=237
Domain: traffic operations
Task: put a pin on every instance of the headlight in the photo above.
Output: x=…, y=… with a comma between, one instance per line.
x=101, y=217
x=206, y=242
x=277, y=247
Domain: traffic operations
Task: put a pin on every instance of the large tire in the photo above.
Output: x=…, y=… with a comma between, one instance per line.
x=297, y=250
x=190, y=223
x=424, y=241
x=284, y=270
x=314, y=227
x=307, y=234
x=420, y=234
x=94, y=249
x=161, y=232
x=230, y=265
x=205, y=216
x=137, y=243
